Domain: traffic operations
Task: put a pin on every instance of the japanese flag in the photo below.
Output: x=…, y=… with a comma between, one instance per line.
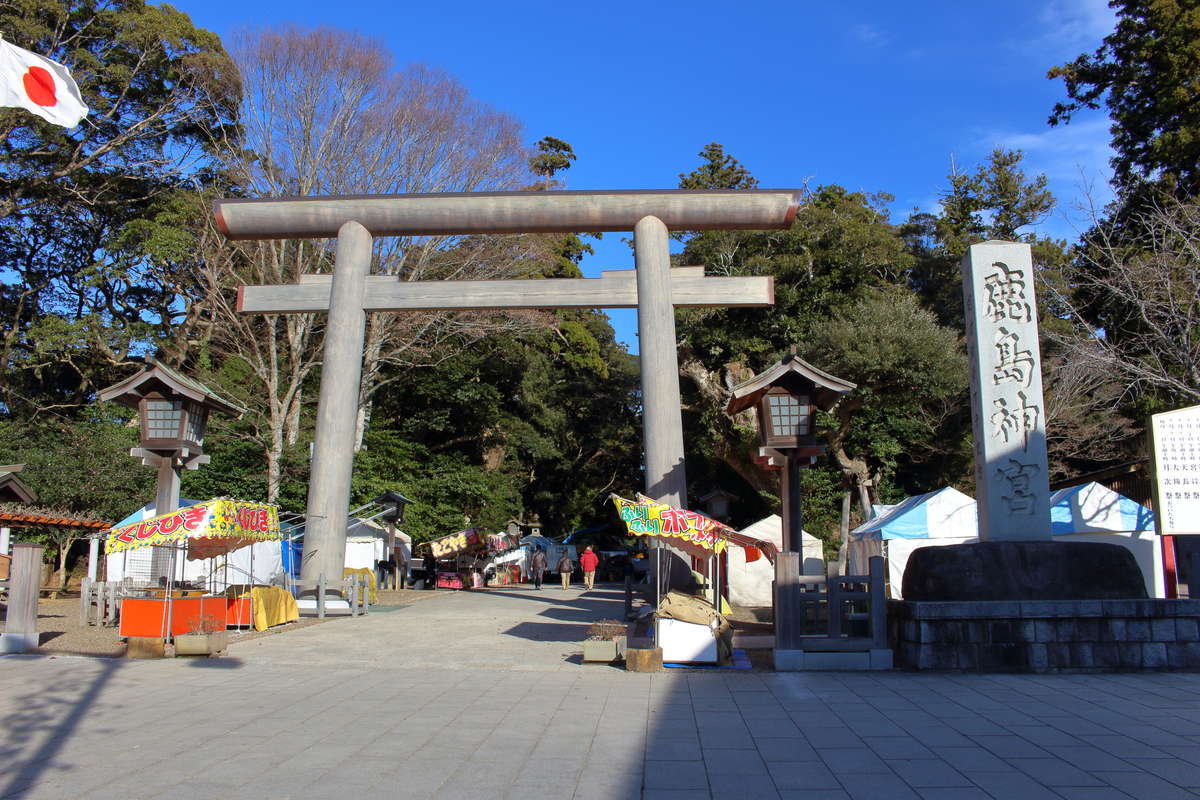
x=40, y=85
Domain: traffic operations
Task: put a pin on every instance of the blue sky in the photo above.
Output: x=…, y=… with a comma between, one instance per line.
x=875, y=96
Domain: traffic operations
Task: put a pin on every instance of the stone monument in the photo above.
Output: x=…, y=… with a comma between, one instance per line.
x=1015, y=558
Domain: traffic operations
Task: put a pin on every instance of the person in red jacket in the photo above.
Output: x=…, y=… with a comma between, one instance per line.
x=589, y=561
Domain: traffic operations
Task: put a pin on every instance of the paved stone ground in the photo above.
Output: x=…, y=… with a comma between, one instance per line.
x=481, y=696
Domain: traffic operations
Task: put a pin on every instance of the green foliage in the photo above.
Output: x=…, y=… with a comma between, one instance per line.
x=1145, y=76
x=840, y=243
x=842, y=277
x=719, y=170
x=911, y=376
x=91, y=235
x=553, y=156
x=552, y=414
x=446, y=487
x=997, y=201
x=80, y=465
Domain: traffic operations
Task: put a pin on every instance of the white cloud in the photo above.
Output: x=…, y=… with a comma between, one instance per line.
x=870, y=36
x=1075, y=25
x=1075, y=160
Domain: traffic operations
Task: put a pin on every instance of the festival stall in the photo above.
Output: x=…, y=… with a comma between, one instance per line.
x=262, y=562
x=208, y=530
x=505, y=560
x=701, y=538
x=457, y=556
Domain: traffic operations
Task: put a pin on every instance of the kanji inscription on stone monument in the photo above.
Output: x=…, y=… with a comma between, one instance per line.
x=1007, y=411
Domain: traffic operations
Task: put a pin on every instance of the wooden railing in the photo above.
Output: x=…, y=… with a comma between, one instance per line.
x=829, y=612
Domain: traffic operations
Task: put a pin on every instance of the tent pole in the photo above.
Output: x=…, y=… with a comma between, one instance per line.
x=657, y=587
x=170, y=598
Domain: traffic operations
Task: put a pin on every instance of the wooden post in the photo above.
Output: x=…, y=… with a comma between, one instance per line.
x=833, y=592
x=85, y=591
x=628, y=597
x=788, y=622
x=878, y=603
x=20, y=629
x=321, y=596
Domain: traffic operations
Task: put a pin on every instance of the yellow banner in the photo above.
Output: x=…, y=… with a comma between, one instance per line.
x=455, y=543
x=214, y=519
x=645, y=517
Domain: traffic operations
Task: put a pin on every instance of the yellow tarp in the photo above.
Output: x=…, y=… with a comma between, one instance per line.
x=372, y=595
x=271, y=605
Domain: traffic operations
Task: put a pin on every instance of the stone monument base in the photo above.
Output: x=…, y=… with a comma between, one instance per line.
x=1046, y=635
x=994, y=571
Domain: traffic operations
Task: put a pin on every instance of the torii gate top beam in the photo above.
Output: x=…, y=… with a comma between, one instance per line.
x=507, y=212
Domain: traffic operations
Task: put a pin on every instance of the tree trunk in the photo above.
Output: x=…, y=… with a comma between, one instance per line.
x=275, y=462
x=844, y=546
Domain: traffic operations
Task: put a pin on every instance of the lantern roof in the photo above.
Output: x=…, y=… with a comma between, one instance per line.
x=391, y=498
x=787, y=372
x=13, y=488
x=157, y=377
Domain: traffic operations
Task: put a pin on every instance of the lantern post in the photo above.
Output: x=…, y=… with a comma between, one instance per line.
x=785, y=398
x=173, y=412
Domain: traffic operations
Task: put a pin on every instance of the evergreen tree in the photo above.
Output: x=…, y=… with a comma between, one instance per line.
x=1145, y=77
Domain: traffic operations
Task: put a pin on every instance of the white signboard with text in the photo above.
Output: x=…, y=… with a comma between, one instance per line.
x=1177, y=470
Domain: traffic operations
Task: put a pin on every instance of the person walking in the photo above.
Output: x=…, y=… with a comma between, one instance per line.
x=589, y=561
x=430, y=565
x=537, y=567
x=564, y=568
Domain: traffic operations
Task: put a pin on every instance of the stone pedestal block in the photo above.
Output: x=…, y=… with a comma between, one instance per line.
x=983, y=571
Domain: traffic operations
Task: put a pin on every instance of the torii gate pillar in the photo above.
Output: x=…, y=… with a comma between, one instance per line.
x=662, y=421
x=352, y=292
x=337, y=410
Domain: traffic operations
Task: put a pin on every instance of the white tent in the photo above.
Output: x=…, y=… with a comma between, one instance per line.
x=1087, y=513
x=946, y=516
x=750, y=583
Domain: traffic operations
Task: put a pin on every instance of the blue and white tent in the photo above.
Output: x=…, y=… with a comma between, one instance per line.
x=1091, y=512
x=946, y=516
x=1087, y=513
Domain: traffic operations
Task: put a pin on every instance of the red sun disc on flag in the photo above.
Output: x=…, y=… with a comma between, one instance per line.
x=39, y=85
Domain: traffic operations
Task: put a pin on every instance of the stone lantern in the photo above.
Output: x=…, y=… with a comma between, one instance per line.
x=785, y=398
x=173, y=413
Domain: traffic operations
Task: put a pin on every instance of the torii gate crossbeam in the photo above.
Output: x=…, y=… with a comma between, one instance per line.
x=351, y=292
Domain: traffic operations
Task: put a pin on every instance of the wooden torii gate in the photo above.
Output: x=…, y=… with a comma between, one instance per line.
x=653, y=288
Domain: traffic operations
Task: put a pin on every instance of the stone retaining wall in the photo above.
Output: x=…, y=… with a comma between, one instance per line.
x=1046, y=635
